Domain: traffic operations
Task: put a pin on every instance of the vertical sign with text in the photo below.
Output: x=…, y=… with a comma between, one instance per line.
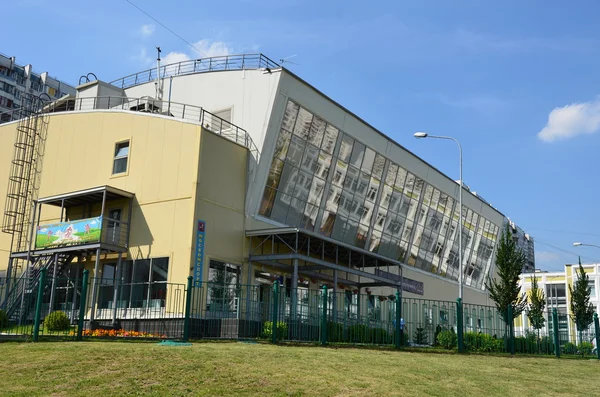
x=198, y=268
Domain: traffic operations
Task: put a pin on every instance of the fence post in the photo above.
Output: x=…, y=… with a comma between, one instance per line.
x=274, y=332
x=399, y=329
x=597, y=329
x=188, y=300
x=324, y=316
x=555, y=331
x=459, y=325
x=511, y=329
x=82, y=304
x=38, y=305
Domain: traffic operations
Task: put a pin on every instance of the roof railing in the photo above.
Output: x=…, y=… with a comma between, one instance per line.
x=195, y=114
x=202, y=65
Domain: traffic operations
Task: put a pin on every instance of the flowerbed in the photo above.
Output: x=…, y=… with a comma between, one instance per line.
x=119, y=333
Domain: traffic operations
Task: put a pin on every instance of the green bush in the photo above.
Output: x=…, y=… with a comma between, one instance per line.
x=447, y=339
x=421, y=336
x=585, y=348
x=282, y=330
x=569, y=348
x=335, y=332
x=3, y=319
x=57, y=321
x=358, y=333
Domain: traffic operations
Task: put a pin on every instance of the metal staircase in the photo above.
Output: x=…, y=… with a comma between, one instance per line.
x=24, y=176
x=23, y=292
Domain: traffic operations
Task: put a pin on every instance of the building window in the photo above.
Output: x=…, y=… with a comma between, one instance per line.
x=140, y=284
x=121, y=157
x=223, y=287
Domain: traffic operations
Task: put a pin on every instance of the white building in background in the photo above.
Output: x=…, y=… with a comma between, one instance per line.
x=556, y=290
x=18, y=80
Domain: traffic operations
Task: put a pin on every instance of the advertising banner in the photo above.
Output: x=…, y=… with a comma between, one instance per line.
x=198, y=267
x=81, y=231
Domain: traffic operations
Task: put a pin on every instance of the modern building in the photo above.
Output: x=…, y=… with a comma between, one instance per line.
x=234, y=170
x=555, y=286
x=17, y=80
x=525, y=243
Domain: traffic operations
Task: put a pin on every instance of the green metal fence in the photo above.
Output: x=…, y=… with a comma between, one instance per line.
x=83, y=307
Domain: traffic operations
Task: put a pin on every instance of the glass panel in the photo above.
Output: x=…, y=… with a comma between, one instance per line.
x=120, y=165
x=400, y=179
x=323, y=165
x=390, y=177
x=289, y=117
x=303, y=123
x=275, y=174
x=358, y=153
x=283, y=142
x=302, y=187
x=280, y=207
x=311, y=156
x=340, y=174
x=295, y=152
x=288, y=179
x=266, y=204
x=139, y=287
x=367, y=164
x=316, y=191
x=331, y=134
x=346, y=149
x=317, y=130
x=378, y=166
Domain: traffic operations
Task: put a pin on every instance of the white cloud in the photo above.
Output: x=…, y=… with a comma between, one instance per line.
x=214, y=49
x=572, y=120
x=147, y=30
x=174, y=57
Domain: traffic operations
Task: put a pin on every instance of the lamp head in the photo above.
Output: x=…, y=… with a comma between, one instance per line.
x=577, y=244
x=420, y=135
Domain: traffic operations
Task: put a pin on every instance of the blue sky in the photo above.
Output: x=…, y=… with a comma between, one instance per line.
x=515, y=81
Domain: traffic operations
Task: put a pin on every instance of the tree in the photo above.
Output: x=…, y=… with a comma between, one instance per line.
x=537, y=304
x=504, y=289
x=582, y=311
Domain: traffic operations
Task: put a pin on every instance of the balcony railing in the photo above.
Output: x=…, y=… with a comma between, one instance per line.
x=213, y=64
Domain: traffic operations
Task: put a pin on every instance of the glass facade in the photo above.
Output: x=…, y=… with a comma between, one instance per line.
x=323, y=180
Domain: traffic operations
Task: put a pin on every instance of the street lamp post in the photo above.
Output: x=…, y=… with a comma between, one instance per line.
x=578, y=244
x=421, y=135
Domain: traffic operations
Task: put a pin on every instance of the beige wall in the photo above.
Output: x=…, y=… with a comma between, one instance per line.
x=164, y=172
x=220, y=200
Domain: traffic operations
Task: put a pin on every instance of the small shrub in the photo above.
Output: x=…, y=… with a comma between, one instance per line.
x=282, y=330
x=3, y=319
x=420, y=336
x=438, y=329
x=489, y=344
x=57, y=321
x=470, y=341
x=335, y=332
x=447, y=339
x=569, y=348
x=585, y=348
x=358, y=333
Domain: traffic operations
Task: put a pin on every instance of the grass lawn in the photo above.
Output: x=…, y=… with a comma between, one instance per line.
x=242, y=369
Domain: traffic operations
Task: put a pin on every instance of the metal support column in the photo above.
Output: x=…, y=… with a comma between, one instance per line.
x=53, y=290
x=75, y=286
x=334, y=300
x=8, y=278
x=294, y=300
x=249, y=292
x=118, y=272
x=95, y=286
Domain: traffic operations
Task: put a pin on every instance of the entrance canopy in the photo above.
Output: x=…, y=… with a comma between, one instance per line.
x=315, y=256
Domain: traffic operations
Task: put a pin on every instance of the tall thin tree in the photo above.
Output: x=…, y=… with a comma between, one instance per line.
x=582, y=310
x=504, y=289
x=537, y=304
